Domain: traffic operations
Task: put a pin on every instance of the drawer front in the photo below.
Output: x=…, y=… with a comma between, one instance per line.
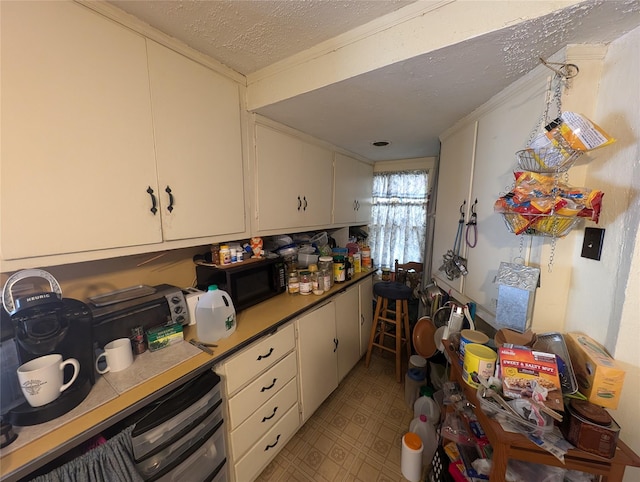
x=258, y=357
x=254, y=395
x=256, y=459
x=263, y=419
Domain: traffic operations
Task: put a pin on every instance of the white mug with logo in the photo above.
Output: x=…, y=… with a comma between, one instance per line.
x=118, y=354
x=42, y=379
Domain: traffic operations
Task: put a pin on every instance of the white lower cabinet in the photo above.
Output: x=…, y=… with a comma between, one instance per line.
x=261, y=402
x=347, y=330
x=365, y=292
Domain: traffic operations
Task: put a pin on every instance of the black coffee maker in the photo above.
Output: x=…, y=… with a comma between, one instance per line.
x=45, y=323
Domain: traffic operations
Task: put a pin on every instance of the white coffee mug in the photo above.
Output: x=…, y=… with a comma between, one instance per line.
x=42, y=379
x=118, y=355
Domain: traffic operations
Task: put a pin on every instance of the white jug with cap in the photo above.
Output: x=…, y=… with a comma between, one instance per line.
x=215, y=315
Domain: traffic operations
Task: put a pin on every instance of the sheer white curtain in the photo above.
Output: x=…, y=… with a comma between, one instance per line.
x=398, y=217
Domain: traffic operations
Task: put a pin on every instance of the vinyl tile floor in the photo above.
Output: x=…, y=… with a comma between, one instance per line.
x=355, y=435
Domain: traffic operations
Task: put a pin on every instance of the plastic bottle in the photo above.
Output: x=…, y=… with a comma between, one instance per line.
x=427, y=433
x=411, y=457
x=426, y=405
x=413, y=380
x=225, y=255
x=215, y=315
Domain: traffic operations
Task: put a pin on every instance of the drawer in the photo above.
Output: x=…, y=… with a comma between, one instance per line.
x=258, y=357
x=263, y=419
x=203, y=463
x=257, y=458
x=254, y=395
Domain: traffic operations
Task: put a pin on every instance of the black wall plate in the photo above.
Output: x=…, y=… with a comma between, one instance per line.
x=592, y=244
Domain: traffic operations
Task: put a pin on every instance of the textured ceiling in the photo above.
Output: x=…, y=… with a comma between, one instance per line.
x=409, y=102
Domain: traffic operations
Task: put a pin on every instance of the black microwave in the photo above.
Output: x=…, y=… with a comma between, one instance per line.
x=248, y=283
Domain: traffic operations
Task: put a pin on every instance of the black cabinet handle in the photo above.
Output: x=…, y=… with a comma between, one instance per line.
x=274, y=443
x=335, y=342
x=264, y=389
x=305, y=203
x=299, y=203
x=168, y=191
x=153, y=209
x=260, y=357
x=264, y=419
x=355, y=205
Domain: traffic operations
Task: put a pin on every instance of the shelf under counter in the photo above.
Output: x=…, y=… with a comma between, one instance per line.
x=508, y=445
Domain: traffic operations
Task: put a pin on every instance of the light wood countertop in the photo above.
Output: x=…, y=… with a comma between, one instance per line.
x=252, y=324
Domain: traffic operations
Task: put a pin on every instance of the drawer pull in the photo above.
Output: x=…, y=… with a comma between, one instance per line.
x=264, y=419
x=273, y=444
x=264, y=389
x=335, y=342
x=267, y=355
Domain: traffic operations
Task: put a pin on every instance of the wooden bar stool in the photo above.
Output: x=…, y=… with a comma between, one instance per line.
x=391, y=321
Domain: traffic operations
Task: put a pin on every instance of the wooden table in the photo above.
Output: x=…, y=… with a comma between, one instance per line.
x=507, y=445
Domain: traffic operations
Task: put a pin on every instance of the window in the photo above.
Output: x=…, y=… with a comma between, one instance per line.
x=398, y=217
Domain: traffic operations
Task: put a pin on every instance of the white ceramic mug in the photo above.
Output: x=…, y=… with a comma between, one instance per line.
x=42, y=379
x=118, y=355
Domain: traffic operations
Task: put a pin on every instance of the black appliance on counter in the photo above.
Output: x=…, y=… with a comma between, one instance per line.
x=38, y=324
x=116, y=313
x=248, y=283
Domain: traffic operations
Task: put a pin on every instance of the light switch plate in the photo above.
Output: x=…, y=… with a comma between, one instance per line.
x=592, y=243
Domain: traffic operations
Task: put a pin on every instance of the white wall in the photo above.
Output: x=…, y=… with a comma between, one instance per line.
x=604, y=298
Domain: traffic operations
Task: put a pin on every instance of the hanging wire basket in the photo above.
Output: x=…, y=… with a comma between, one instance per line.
x=547, y=160
x=552, y=225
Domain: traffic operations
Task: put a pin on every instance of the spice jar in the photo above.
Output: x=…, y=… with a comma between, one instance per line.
x=294, y=283
x=305, y=282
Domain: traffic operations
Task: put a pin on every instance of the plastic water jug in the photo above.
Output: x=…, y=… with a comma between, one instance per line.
x=425, y=405
x=215, y=315
x=427, y=433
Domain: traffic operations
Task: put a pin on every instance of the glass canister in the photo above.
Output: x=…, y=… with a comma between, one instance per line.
x=325, y=279
x=339, y=269
x=325, y=263
x=305, y=282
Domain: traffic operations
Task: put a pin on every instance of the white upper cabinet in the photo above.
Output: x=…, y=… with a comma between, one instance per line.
x=196, y=121
x=353, y=185
x=77, y=139
x=293, y=182
x=110, y=140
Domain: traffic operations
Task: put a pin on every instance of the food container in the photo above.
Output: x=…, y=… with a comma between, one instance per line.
x=590, y=428
x=599, y=376
x=320, y=239
x=479, y=361
x=325, y=263
x=305, y=259
x=470, y=336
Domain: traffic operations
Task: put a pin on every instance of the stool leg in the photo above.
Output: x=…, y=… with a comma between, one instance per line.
x=407, y=328
x=374, y=327
x=384, y=314
x=399, y=316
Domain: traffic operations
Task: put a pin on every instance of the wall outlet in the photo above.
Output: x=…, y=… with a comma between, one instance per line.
x=592, y=243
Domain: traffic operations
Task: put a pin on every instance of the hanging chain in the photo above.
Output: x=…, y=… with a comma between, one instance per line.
x=552, y=253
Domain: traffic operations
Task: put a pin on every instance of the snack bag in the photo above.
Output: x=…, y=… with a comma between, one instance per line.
x=577, y=132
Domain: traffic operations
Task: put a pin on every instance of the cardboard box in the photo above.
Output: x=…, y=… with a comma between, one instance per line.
x=521, y=367
x=160, y=337
x=599, y=376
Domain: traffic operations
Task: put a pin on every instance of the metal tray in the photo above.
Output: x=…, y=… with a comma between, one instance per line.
x=124, y=294
x=554, y=343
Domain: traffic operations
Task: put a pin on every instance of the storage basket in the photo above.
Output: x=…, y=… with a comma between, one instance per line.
x=552, y=225
x=547, y=160
x=440, y=467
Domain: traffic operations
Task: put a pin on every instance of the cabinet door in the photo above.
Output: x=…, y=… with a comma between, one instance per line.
x=277, y=179
x=348, y=330
x=345, y=183
x=315, y=185
x=196, y=120
x=454, y=187
x=317, y=358
x=77, y=140
x=364, y=190
x=366, y=312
